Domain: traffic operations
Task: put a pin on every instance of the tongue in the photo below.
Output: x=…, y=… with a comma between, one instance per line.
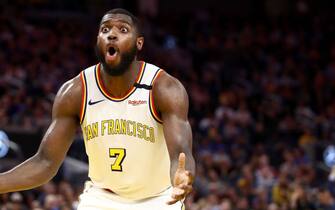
x=111, y=57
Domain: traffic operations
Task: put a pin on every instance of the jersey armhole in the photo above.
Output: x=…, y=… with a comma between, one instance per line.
x=152, y=106
x=83, y=96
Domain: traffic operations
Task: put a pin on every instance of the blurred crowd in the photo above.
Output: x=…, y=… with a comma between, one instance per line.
x=262, y=103
x=50, y=196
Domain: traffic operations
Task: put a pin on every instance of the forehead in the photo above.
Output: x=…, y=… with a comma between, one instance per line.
x=116, y=18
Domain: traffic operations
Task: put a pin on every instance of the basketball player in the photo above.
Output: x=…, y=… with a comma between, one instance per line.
x=134, y=121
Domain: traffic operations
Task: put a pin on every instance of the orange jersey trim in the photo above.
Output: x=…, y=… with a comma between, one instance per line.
x=153, y=109
x=107, y=94
x=83, y=96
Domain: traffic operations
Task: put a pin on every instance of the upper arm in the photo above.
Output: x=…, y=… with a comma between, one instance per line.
x=171, y=101
x=65, y=119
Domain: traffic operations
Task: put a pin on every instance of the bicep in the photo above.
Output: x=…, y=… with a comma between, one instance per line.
x=60, y=133
x=57, y=139
x=172, y=101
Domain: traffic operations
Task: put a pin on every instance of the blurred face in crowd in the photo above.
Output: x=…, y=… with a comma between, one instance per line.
x=325, y=198
x=226, y=205
x=117, y=43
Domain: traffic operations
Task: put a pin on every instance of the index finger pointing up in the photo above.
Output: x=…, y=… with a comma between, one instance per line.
x=181, y=161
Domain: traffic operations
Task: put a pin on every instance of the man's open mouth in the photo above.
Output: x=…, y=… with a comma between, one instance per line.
x=111, y=51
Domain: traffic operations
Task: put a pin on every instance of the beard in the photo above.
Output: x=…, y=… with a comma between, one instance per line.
x=121, y=68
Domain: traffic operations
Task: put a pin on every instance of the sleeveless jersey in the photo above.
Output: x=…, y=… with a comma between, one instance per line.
x=124, y=137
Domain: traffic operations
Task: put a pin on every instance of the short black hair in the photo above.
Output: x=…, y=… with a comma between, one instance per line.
x=134, y=19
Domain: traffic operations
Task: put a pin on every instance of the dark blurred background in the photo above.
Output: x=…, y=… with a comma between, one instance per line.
x=260, y=76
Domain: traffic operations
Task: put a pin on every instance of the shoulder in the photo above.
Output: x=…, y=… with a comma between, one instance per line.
x=167, y=83
x=69, y=98
x=169, y=93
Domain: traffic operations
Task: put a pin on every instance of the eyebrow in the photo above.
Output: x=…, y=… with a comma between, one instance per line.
x=117, y=20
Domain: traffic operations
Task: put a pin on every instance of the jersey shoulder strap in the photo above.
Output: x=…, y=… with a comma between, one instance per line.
x=149, y=74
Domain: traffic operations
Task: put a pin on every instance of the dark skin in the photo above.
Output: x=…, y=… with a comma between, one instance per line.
x=170, y=99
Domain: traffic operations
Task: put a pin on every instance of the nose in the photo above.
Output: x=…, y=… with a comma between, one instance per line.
x=112, y=36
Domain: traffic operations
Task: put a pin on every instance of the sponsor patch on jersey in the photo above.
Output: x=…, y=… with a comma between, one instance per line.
x=137, y=102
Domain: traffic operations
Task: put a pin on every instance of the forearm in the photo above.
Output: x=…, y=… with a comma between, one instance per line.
x=331, y=182
x=180, y=142
x=29, y=174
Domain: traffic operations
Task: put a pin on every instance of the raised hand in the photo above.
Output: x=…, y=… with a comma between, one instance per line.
x=182, y=182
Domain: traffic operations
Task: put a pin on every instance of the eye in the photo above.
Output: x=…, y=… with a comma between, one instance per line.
x=104, y=29
x=124, y=29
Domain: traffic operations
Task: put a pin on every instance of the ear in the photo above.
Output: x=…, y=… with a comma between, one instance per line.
x=139, y=42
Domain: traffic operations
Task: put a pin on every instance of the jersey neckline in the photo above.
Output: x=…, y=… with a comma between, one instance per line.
x=103, y=89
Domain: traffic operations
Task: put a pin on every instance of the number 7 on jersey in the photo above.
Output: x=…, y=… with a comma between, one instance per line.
x=119, y=154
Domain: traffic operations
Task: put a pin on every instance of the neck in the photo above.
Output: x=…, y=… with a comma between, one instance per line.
x=118, y=86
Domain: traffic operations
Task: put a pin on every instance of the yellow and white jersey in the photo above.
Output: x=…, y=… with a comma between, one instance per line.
x=124, y=137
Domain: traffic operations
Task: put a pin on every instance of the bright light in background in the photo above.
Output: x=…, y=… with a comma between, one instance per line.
x=329, y=156
x=4, y=144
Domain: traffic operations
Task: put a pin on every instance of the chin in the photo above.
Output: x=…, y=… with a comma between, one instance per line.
x=112, y=64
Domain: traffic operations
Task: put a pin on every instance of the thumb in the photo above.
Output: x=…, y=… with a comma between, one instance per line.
x=181, y=161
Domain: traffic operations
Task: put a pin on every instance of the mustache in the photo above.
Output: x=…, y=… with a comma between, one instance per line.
x=126, y=60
